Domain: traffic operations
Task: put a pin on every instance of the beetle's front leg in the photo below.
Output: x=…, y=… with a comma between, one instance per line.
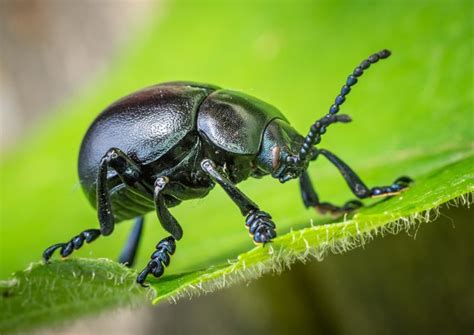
x=358, y=187
x=259, y=223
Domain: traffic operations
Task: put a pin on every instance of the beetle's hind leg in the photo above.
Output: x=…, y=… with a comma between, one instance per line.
x=73, y=244
x=259, y=223
x=127, y=257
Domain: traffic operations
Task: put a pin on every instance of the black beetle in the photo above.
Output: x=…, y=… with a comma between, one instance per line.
x=174, y=141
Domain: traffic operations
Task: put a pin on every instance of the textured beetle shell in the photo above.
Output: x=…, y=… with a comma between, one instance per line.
x=235, y=121
x=145, y=125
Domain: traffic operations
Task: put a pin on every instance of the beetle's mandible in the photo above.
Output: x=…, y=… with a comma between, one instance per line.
x=174, y=141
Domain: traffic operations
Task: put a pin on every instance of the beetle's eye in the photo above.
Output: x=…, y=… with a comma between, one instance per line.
x=276, y=157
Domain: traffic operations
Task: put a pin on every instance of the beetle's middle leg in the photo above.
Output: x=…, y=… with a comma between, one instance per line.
x=167, y=246
x=259, y=223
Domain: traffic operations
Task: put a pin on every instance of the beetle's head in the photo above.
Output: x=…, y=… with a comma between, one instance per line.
x=289, y=168
x=284, y=153
x=279, y=151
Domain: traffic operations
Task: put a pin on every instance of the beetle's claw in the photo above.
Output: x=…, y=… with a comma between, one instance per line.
x=48, y=253
x=403, y=182
x=142, y=276
x=265, y=243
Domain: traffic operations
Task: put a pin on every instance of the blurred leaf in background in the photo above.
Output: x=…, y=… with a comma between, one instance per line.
x=412, y=114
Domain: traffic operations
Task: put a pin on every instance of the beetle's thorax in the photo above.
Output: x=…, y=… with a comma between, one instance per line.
x=280, y=140
x=236, y=167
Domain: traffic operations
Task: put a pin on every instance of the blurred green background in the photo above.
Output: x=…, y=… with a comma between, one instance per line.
x=411, y=114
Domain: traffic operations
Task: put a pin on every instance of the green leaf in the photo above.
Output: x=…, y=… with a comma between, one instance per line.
x=64, y=290
x=411, y=117
x=417, y=205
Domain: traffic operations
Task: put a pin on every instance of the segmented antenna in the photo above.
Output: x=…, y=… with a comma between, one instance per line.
x=319, y=127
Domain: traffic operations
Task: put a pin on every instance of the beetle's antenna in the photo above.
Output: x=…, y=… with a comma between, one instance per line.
x=319, y=127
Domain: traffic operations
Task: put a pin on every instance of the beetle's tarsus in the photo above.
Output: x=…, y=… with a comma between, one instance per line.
x=50, y=251
x=142, y=276
x=403, y=181
x=159, y=259
x=260, y=226
x=73, y=244
x=398, y=186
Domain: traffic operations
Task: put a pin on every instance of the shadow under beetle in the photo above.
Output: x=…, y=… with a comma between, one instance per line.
x=174, y=141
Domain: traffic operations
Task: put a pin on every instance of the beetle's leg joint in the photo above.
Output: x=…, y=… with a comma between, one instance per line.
x=160, y=183
x=207, y=165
